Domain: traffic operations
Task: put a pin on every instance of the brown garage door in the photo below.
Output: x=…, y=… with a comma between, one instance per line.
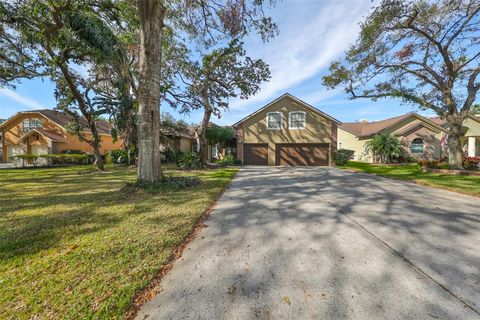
x=255, y=153
x=302, y=154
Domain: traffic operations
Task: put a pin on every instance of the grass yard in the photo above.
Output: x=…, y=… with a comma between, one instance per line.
x=77, y=244
x=413, y=172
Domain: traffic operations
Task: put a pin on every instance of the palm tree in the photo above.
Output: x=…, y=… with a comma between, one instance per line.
x=385, y=147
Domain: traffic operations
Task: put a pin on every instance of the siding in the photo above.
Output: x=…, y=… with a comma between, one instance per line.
x=254, y=130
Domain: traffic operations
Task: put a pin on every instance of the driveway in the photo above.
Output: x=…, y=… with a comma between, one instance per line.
x=322, y=243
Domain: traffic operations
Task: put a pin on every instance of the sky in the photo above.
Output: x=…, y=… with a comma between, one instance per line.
x=312, y=34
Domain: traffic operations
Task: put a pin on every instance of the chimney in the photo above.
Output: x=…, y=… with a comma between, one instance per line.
x=363, y=121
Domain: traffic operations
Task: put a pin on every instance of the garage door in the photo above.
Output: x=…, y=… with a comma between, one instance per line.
x=39, y=149
x=255, y=154
x=302, y=154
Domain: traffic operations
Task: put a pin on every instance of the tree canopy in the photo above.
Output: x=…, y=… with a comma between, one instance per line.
x=425, y=53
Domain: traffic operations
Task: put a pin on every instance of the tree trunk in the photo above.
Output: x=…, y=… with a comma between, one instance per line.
x=201, y=135
x=455, y=153
x=96, y=146
x=151, y=14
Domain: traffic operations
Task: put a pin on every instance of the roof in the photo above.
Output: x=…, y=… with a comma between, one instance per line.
x=288, y=95
x=367, y=129
x=63, y=119
x=441, y=122
x=48, y=134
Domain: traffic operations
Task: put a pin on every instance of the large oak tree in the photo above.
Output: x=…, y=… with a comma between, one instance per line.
x=426, y=53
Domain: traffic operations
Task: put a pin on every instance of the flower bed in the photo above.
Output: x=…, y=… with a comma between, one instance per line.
x=452, y=172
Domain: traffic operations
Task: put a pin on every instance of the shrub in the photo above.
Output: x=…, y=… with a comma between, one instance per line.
x=119, y=156
x=429, y=163
x=24, y=158
x=471, y=163
x=342, y=156
x=171, y=155
x=189, y=160
x=229, y=160
x=72, y=151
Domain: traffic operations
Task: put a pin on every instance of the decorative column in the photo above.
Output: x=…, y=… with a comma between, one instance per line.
x=471, y=146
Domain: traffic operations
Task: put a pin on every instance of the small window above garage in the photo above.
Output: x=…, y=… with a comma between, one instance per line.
x=297, y=120
x=274, y=120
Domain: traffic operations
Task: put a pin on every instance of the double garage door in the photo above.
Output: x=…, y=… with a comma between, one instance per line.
x=289, y=154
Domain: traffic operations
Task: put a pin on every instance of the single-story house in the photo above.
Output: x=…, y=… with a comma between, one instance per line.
x=45, y=132
x=286, y=131
x=422, y=138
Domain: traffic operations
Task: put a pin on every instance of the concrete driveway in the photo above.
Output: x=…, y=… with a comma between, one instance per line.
x=322, y=243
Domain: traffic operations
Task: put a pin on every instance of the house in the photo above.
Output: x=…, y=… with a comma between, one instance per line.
x=179, y=141
x=471, y=134
x=286, y=131
x=422, y=138
x=45, y=131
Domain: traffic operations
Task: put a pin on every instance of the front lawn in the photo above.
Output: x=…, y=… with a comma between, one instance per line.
x=413, y=172
x=77, y=244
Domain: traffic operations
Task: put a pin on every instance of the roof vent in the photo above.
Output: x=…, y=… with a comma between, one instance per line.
x=363, y=121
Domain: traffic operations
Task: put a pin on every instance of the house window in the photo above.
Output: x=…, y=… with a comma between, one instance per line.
x=417, y=146
x=297, y=120
x=274, y=120
x=30, y=124
x=214, y=152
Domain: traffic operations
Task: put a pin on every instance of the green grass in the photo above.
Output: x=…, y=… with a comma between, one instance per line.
x=77, y=244
x=413, y=172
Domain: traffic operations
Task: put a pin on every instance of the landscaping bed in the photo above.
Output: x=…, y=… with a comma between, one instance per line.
x=77, y=244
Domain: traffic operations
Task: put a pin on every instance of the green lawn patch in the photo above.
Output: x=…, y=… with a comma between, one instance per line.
x=78, y=244
x=413, y=172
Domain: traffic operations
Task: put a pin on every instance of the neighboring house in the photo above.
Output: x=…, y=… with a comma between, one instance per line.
x=287, y=131
x=422, y=138
x=179, y=141
x=471, y=134
x=45, y=132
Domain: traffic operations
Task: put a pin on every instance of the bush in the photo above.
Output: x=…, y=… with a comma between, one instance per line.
x=429, y=163
x=171, y=155
x=189, y=160
x=72, y=151
x=24, y=158
x=342, y=156
x=229, y=160
x=471, y=163
x=119, y=156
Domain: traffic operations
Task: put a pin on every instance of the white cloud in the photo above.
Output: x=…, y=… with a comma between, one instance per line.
x=27, y=102
x=312, y=34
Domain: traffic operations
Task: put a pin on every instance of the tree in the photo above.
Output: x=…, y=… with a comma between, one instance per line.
x=222, y=74
x=425, y=53
x=57, y=40
x=218, y=136
x=384, y=147
x=205, y=21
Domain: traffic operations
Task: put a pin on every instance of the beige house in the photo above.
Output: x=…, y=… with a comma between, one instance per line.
x=287, y=131
x=422, y=138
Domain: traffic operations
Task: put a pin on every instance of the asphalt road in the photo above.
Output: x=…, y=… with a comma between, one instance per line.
x=322, y=243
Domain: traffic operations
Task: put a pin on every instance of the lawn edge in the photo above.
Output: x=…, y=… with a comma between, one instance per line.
x=415, y=181
x=147, y=293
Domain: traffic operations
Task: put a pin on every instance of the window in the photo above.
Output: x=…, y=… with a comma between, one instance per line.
x=297, y=120
x=274, y=120
x=214, y=151
x=417, y=146
x=30, y=124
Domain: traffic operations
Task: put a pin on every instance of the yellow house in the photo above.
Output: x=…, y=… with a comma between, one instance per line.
x=422, y=138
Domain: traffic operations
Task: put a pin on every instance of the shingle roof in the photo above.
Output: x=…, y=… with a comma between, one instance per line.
x=63, y=119
x=363, y=129
x=50, y=135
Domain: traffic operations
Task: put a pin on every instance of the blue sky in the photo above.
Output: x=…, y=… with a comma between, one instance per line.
x=312, y=34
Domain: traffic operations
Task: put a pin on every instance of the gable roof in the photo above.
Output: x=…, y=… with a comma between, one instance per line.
x=288, y=95
x=47, y=134
x=62, y=119
x=367, y=129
